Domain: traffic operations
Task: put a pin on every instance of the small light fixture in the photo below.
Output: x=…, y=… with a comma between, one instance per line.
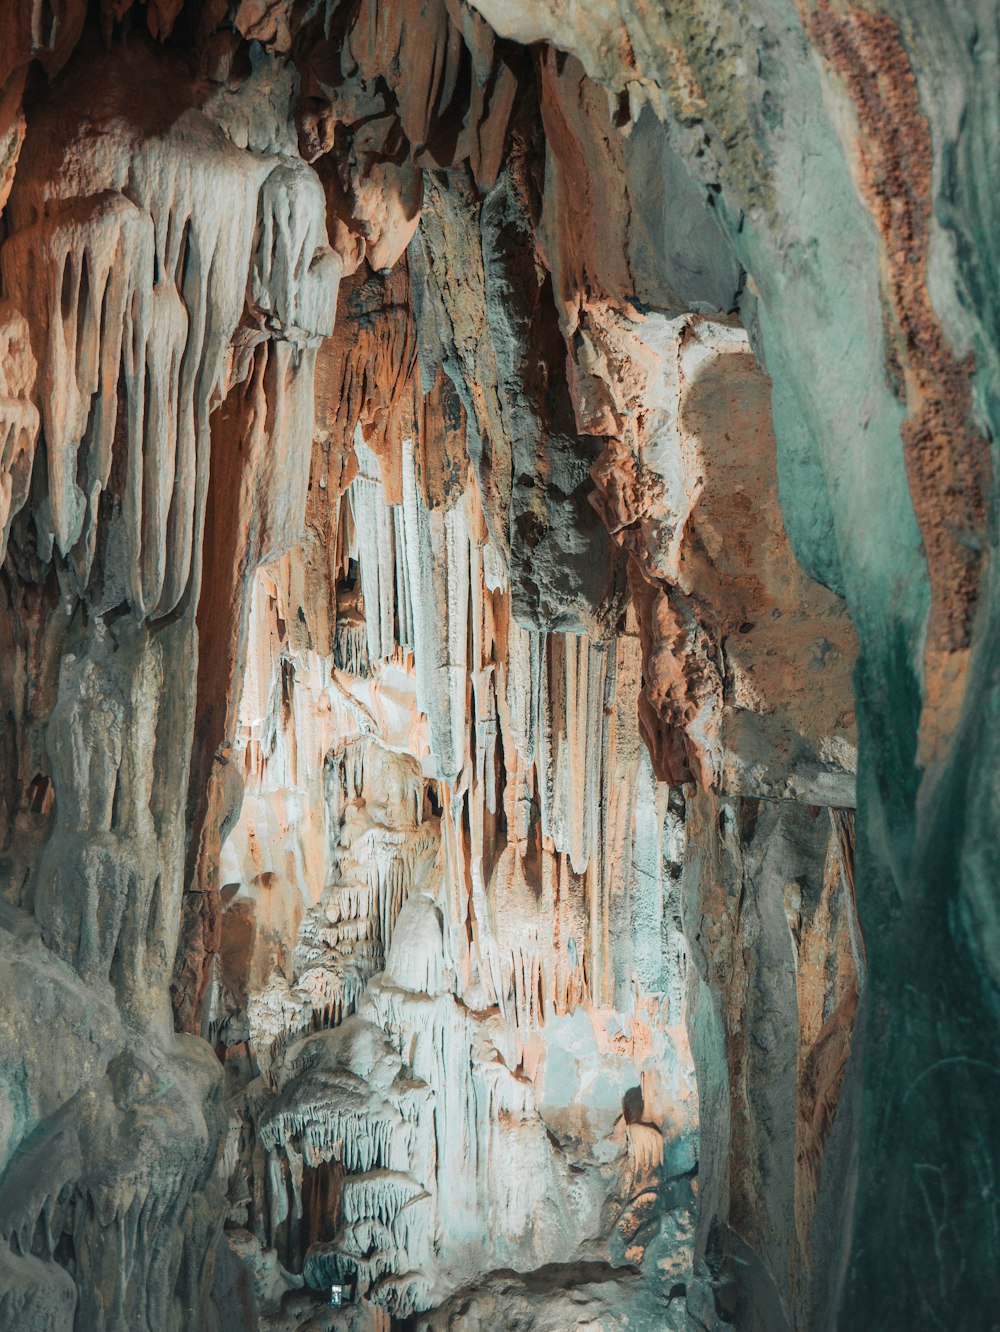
x=337, y=1295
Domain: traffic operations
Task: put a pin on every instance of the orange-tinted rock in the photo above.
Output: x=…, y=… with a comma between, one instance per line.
x=368, y=369
x=585, y=242
x=18, y=416
x=747, y=661
x=12, y=127
x=320, y=669
x=947, y=456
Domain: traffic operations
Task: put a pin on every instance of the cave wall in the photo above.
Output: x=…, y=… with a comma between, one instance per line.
x=154, y=258
x=486, y=488
x=845, y=147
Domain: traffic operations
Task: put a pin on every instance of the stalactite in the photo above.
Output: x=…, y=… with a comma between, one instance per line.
x=463, y=689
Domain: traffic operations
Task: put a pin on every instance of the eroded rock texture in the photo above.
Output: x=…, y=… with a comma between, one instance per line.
x=471, y=473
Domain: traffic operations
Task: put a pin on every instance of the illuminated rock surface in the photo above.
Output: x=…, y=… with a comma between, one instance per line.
x=497, y=785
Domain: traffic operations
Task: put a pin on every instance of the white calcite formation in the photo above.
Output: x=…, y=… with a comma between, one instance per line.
x=148, y=270
x=430, y=1052
x=135, y=268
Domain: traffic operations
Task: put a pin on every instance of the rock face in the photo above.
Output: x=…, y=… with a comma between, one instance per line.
x=471, y=472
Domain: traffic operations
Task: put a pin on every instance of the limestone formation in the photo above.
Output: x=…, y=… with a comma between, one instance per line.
x=498, y=821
